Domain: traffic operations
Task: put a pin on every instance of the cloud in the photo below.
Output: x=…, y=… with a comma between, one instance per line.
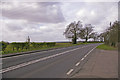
x=46, y=21
x=19, y=30
x=62, y=0
x=33, y=12
x=99, y=14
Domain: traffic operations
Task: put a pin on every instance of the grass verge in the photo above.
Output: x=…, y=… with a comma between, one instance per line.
x=106, y=47
x=58, y=45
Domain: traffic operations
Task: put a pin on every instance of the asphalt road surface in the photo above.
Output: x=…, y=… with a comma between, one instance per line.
x=57, y=63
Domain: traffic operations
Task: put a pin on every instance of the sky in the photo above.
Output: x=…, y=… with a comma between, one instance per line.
x=46, y=21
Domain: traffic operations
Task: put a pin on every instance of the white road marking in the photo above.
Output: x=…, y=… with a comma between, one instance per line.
x=88, y=53
x=77, y=64
x=29, y=54
x=36, y=52
x=85, y=56
x=91, y=50
x=82, y=58
x=35, y=61
x=70, y=71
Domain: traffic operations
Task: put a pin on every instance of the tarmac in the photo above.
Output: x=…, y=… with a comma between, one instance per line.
x=102, y=64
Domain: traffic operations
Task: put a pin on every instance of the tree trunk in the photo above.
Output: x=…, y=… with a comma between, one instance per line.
x=13, y=48
x=74, y=40
x=86, y=39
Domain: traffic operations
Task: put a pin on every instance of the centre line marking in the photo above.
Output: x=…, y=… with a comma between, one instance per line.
x=82, y=58
x=70, y=71
x=77, y=64
x=85, y=56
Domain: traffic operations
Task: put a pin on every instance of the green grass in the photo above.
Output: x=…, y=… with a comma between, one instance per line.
x=58, y=45
x=106, y=47
x=9, y=50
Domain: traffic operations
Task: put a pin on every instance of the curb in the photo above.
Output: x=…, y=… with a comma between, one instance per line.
x=30, y=52
x=22, y=53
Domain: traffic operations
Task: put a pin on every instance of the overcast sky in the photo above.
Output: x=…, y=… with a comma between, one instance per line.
x=46, y=21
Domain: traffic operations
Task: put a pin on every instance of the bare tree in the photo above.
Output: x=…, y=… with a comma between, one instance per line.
x=94, y=35
x=72, y=31
x=86, y=32
x=101, y=37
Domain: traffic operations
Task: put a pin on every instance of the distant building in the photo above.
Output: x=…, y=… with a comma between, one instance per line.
x=28, y=39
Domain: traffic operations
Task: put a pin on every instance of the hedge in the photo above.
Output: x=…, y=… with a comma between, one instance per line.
x=35, y=45
x=50, y=44
x=20, y=45
x=26, y=45
x=3, y=45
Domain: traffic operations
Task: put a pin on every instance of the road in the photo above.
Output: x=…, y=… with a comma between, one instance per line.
x=57, y=63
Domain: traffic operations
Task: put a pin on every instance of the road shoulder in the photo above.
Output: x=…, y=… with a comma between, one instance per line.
x=101, y=64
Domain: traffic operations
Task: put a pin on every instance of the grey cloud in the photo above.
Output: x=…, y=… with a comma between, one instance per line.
x=14, y=27
x=49, y=28
x=102, y=10
x=44, y=12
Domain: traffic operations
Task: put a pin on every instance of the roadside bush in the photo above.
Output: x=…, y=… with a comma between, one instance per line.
x=3, y=45
x=20, y=45
x=8, y=48
x=50, y=44
x=25, y=46
x=36, y=45
x=111, y=36
x=0, y=46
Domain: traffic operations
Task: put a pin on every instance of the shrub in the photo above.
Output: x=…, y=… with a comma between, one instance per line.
x=3, y=45
x=36, y=45
x=50, y=44
x=20, y=45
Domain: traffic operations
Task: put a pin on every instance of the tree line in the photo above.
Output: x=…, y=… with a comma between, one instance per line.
x=76, y=30
x=111, y=35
